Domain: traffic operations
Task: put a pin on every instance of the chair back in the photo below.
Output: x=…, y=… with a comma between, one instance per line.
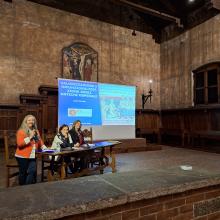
x=10, y=144
x=48, y=137
x=87, y=133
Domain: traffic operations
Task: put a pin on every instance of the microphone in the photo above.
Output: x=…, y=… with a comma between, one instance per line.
x=35, y=137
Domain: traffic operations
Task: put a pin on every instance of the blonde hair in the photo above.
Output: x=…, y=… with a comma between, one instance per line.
x=24, y=123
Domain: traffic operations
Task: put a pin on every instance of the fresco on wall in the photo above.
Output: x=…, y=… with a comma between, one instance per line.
x=80, y=62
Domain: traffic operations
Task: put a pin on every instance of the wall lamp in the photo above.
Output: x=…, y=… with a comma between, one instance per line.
x=148, y=96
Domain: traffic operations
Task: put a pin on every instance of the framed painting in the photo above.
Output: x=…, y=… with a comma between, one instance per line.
x=80, y=62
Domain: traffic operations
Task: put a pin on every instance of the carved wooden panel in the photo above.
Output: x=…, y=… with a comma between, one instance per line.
x=215, y=120
x=52, y=114
x=196, y=120
x=9, y=118
x=147, y=120
x=171, y=120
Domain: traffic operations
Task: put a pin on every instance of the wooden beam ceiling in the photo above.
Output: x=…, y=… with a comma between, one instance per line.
x=148, y=10
x=154, y=17
x=169, y=6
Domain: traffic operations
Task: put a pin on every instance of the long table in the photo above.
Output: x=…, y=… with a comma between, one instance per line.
x=110, y=160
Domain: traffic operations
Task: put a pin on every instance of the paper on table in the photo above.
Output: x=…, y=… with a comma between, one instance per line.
x=87, y=145
x=78, y=148
x=48, y=151
x=114, y=142
x=84, y=145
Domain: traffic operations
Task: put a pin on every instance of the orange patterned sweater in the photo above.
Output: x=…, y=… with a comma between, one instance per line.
x=25, y=145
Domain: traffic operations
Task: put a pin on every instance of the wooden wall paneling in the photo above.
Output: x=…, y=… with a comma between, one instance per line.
x=198, y=120
x=147, y=120
x=52, y=113
x=50, y=109
x=187, y=122
x=215, y=119
x=33, y=104
x=172, y=126
x=171, y=120
x=147, y=124
x=208, y=118
x=9, y=115
x=200, y=123
x=44, y=114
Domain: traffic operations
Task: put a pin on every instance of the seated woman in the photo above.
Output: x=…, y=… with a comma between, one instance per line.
x=28, y=140
x=63, y=141
x=78, y=139
x=76, y=133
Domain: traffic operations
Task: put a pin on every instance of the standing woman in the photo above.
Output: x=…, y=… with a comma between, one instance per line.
x=28, y=141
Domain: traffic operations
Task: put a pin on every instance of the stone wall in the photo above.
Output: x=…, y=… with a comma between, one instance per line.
x=199, y=204
x=182, y=55
x=32, y=37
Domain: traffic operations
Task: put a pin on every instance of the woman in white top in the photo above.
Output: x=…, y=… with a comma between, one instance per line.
x=63, y=139
x=61, y=142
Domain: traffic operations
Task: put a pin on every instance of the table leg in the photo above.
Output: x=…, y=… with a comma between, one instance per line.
x=113, y=162
x=42, y=168
x=49, y=176
x=62, y=170
x=50, y=172
x=101, y=162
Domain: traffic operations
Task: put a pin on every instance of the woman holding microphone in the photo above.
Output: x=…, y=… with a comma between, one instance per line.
x=28, y=141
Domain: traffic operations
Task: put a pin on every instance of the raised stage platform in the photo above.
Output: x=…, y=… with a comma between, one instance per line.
x=154, y=188
x=162, y=195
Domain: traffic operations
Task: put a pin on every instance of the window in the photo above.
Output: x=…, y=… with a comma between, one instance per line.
x=206, y=84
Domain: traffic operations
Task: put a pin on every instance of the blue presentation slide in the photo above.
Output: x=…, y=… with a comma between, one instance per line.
x=78, y=100
x=95, y=103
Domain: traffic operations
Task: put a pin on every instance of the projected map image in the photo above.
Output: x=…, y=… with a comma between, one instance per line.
x=117, y=111
x=109, y=109
x=119, y=108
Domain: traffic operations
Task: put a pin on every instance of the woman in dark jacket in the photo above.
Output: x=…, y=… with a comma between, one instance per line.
x=76, y=134
x=78, y=139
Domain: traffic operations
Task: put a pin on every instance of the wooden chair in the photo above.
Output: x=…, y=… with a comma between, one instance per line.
x=48, y=136
x=95, y=158
x=87, y=135
x=10, y=161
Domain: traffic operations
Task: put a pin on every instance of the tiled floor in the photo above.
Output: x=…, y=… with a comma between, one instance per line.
x=168, y=157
